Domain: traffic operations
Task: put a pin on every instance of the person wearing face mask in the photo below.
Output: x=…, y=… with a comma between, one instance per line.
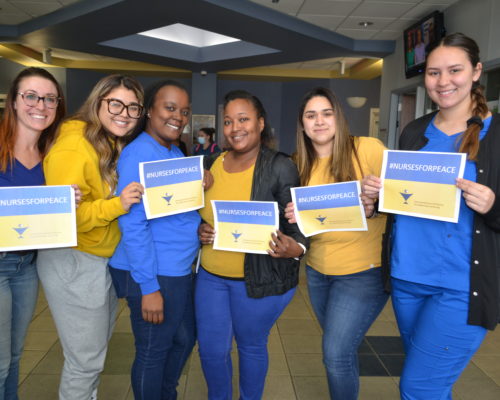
x=206, y=144
x=76, y=281
x=33, y=109
x=344, y=278
x=243, y=294
x=151, y=267
x=445, y=276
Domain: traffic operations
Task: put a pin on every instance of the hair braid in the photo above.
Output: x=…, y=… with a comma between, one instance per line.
x=470, y=138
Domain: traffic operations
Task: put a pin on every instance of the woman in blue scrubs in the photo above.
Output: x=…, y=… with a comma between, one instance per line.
x=445, y=276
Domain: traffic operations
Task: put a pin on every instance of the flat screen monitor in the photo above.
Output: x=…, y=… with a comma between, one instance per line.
x=418, y=39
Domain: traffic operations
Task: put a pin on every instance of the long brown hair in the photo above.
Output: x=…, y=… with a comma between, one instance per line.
x=107, y=145
x=8, y=124
x=470, y=138
x=344, y=146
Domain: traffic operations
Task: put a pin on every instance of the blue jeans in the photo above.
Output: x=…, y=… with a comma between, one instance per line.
x=161, y=349
x=437, y=339
x=224, y=310
x=18, y=294
x=346, y=306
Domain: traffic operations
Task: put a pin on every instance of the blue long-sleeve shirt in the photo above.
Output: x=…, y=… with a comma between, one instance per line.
x=163, y=246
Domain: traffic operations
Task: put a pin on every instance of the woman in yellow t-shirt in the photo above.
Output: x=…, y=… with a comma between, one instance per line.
x=343, y=268
x=76, y=281
x=243, y=294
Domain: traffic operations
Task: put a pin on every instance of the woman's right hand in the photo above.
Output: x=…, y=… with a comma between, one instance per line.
x=131, y=194
x=152, y=307
x=370, y=186
x=290, y=213
x=206, y=233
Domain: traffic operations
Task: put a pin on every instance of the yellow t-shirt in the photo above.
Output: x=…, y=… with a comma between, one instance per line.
x=343, y=253
x=73, y=160
x=227, y=186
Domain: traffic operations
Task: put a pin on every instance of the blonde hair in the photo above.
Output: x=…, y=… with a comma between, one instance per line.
x=107, y=145
x=344, y=147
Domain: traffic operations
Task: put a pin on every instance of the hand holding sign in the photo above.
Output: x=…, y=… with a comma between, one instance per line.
x=284, y=246
x=478, y=197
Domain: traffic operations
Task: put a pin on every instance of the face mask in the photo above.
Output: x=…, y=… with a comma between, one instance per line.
x=201, y=140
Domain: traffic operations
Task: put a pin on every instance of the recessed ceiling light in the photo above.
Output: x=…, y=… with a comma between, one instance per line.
x=365, y=24
x=189, y=35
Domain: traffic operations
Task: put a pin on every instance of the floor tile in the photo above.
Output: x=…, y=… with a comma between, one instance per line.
x=386, y=344
x=491, y=344
x=370, y=365
x=40, y=340
x=377, y=388
x=39, y=387
x=113, y=387
x=365, y=348
x=383, y=328
x=278, y=388
x=393, y=363
x=274, y=344
x=309, y=344
x=278, y=365
x=311, y=387
x=122, y=324
x=306, y=364
x=42, y=324
x=121, y=352
x=490, y=365
x=29, y=360
x=22, y=377
x=52, y=363
x=297, y=327
x=477, y=389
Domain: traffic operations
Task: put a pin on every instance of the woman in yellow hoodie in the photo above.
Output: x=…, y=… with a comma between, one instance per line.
x=76, y=281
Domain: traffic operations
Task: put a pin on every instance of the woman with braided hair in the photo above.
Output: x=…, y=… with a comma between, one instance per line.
x=445, y=276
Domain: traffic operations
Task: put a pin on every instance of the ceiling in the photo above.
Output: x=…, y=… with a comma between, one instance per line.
x=287, y=39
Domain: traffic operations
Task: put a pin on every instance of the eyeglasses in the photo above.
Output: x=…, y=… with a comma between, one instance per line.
x=31, y=99
x=116, y=107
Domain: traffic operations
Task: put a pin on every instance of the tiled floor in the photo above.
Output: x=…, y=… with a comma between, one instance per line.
x=296, y=371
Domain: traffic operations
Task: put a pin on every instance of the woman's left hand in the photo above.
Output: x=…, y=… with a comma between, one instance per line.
x=78, y=195
x=284, y=246
x=478, y=197
x=208, y=179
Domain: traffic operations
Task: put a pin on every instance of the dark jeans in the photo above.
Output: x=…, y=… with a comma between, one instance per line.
x=161, y=350
x=346, y=306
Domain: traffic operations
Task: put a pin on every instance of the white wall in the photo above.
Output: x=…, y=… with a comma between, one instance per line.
x=478, y=19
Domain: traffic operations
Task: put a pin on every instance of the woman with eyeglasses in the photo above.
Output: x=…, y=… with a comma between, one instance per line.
x=151, y=266
x=76, y=281
x=33, y=108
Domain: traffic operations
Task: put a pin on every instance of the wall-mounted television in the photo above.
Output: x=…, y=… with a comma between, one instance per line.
x=418, y=39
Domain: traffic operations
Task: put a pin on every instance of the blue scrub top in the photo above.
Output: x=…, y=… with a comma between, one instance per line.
x=19, y=175
x=431, y=252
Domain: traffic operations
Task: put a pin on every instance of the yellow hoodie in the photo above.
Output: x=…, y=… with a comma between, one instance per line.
x=73, y=160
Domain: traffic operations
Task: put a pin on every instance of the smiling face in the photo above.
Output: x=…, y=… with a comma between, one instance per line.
x=169, y=114
x=35, y=118
x=118, y=125
x=242, y=126
x=449, y=76
x=319, y=123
